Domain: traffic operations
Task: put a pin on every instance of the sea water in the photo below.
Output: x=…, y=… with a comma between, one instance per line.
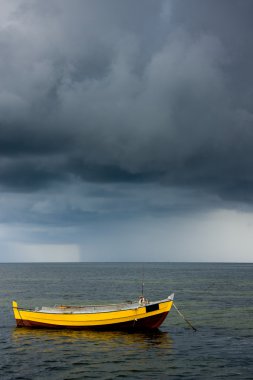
x=216, y=298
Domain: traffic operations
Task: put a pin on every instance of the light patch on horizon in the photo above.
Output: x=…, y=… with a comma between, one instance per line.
x=20, y=252
x=222, y=235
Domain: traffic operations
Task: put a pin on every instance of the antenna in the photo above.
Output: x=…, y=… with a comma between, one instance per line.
x=142, y=285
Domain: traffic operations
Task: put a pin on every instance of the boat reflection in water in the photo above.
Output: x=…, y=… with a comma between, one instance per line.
x=30, y=338
x=86, y=354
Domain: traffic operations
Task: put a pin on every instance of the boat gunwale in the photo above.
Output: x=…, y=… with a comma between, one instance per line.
x=99, y=312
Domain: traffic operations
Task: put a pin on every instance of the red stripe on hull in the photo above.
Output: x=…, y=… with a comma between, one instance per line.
x=148, y=323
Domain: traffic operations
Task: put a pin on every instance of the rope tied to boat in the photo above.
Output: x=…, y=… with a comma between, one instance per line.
x=186, y=320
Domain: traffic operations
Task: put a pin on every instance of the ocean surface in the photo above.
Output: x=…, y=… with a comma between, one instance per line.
x=216, y=298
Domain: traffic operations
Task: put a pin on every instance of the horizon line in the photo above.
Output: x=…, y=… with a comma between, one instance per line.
x=126, y=262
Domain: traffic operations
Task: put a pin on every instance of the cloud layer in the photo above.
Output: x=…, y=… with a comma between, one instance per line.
x=90, y=92
x=124, y=109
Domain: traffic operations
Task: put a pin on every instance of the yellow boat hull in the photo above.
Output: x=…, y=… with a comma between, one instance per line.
x=140, y=317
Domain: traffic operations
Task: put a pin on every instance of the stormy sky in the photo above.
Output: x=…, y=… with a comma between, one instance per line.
x=126, y=130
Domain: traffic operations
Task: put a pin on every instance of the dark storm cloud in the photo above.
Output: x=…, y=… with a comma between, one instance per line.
x=116, y=91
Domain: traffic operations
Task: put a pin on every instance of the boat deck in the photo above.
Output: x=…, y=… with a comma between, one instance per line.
x=62, y=309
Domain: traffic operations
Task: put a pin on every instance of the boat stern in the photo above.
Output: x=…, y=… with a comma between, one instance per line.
x=15, y=309
x=16, y=313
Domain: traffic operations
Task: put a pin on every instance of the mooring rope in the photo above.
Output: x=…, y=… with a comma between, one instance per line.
x=186, y=320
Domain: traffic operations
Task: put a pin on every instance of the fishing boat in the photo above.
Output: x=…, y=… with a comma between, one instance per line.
x=138, y=315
